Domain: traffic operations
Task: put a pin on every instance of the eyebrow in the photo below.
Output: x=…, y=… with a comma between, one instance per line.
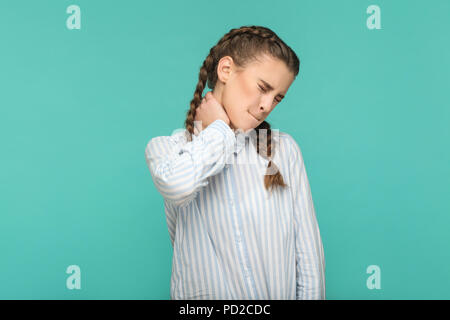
x=270, y=87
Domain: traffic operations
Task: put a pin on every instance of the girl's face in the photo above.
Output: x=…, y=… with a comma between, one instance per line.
x=250, y=94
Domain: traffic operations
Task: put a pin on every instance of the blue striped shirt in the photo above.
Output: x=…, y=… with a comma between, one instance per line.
x=232, y=239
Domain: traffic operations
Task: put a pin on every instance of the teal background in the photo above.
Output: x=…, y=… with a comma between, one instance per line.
x=369, y=109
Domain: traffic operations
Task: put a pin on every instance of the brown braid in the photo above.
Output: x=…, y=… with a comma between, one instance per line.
x=244, y=45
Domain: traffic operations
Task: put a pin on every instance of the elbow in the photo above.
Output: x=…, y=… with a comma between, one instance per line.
x=178, y=191
x=176, y=184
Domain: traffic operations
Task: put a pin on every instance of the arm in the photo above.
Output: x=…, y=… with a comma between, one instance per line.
x=179, y=171
x=309, y=256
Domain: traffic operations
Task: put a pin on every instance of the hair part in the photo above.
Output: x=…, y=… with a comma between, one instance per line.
x=245, y=45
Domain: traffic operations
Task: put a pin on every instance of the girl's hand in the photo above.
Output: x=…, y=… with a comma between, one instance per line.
x=209, y=111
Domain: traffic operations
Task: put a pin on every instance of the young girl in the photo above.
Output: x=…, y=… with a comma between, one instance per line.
x=241, y=226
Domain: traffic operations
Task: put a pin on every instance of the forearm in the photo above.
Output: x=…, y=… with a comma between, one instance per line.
x=179, y=172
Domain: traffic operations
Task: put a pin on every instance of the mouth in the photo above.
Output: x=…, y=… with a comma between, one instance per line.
x=254, y=117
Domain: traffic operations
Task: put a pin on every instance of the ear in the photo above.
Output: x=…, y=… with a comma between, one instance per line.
x=225, y=68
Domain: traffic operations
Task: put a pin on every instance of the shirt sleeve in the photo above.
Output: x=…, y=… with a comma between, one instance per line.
x=309, y=255
x=179, y=170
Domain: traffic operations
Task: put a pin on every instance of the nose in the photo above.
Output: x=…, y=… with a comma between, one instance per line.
x=265, y=104
x=264, y=108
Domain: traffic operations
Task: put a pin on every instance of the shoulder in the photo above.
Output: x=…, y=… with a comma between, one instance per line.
x=289, y=146
x=292, y=161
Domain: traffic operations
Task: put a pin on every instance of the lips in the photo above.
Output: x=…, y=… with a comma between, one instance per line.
x=254, y=117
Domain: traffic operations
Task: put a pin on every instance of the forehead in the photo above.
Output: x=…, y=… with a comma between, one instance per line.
x=272, y=71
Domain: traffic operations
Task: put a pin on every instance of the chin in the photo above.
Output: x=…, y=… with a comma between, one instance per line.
x=244, y=127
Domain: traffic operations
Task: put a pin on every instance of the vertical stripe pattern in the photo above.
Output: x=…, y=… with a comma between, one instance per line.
x=232, y=238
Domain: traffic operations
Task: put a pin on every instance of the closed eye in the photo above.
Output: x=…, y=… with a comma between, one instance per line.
x=264, y=90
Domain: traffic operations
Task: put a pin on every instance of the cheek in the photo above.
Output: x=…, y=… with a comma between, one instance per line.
x=244, y=96
x=240, y=96
x=247, y=90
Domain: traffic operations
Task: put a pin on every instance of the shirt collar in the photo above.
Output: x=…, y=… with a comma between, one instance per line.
x=244, y=138
x=241, y=139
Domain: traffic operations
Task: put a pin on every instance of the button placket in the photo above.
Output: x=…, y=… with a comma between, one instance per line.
x=240, y=244
x=238, y=238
